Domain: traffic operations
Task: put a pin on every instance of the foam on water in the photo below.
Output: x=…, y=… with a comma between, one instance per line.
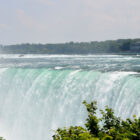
x=34, y=102
x=39, y=93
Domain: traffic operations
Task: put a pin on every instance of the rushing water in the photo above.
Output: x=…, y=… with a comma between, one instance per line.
x=39, y=93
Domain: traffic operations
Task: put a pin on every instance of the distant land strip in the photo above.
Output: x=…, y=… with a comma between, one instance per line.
x=126, y=46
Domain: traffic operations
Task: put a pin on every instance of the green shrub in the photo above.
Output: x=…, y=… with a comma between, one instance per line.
x=1, y=138
x=112, y=128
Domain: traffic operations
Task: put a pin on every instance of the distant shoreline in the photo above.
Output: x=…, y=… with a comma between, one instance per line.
x=116, y=47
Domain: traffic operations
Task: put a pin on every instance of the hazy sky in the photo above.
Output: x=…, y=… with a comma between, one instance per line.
x=52, y=21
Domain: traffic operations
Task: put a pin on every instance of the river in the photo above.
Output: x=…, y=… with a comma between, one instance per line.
x=39, y=93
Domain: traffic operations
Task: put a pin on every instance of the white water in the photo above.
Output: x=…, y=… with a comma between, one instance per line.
x=36, y=101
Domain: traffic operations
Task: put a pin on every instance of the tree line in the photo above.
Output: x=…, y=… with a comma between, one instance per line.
x=109, y=46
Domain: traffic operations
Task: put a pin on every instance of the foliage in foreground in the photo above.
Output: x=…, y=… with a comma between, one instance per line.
x=111, y=128
x=2, y=138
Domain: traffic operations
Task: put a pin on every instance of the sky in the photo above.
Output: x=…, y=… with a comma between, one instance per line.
x=60, y=21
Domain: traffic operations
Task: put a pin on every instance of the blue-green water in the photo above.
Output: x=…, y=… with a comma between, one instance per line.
x=40, y=93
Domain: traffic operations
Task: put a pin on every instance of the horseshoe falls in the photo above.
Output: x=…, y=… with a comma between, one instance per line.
x=39, y=93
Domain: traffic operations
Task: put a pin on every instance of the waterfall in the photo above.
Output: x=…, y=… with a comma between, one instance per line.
x=35, y=102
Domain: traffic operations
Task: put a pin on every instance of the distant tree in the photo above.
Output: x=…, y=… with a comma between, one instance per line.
x=126, y=45
x=109, y=46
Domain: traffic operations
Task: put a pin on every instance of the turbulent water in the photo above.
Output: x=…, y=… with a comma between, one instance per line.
x=39, y=93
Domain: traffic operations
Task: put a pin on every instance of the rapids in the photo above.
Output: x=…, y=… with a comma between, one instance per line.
x=38, y=94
